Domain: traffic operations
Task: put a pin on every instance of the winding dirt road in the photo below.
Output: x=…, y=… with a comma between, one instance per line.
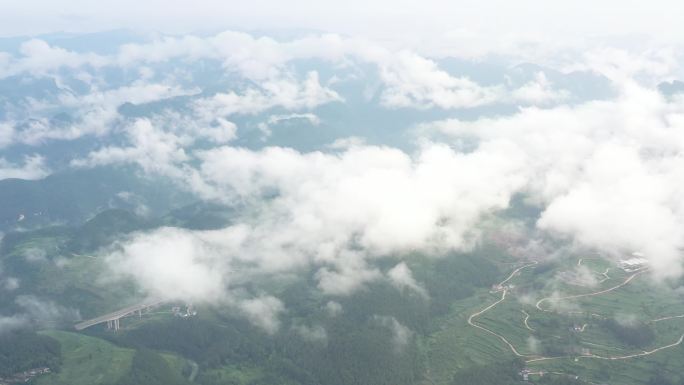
x=534, y=358
x=613, y=358
x=644, y=353
x=502, y=338
x=503, y=297
x=527, y=317
x=626, y=281
x=667, y=318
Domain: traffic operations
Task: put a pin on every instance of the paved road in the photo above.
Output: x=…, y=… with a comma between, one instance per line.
x=667, y=318
x=626, y=281
x=527, y=317
x=614, y=358
x=116, y=314
x=604, y=274
x=645, y=353
x=532, y=358
x=195, y=370
x=503, y=297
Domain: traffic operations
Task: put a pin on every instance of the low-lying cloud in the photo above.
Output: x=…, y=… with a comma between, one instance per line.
x=37, y=312
x=604, y=174
x=33, y=167
x=598, y=172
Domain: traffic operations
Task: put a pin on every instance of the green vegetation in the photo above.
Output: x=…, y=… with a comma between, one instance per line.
x=358, y=345
x=48, y=268
x=150, y=368
x=23, y=350
x=200, y=216
x=93, y=361
x=575, y=332
x=73, y=197
x=637, y=334
x=502, y=373
x=560, y=380
x=233, y=375
x=105, y=228
x=199, y=339
x=457, y=276
x=363, y=343
x=88, y=361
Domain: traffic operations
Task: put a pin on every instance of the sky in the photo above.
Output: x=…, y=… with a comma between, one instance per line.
x=408, y=22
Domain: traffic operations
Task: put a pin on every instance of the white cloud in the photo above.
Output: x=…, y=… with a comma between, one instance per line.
x=153, y=149
x=266, y=126
x=35, y=312
x=6, y=134
x=94, y=113
x=401, y=335
x=315, y=333
x=34, y=254
x=557, y=303
x=651, y=65
x=615, y=198
x=580, y=276
x=408, y=79
x=533, y=345
x=601, y=170
x=43, y=312
x=172, y=264
x=401, y=277
x=286, y=93
x=598, y=169
x=539, y=92
x=413, y=81
x=33, y=168
x=421, y=26
x=349, y=276
x=38, y=57
x=333, y=308
x=10, y=284
x=221, y=132
x=345, y=143
x=332, y=213
x=9, y=323
x=136, y=93
x=385, y=199
x=263, y=312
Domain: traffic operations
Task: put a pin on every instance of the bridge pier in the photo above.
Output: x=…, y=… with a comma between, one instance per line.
x=113, y=319
x=114, y=324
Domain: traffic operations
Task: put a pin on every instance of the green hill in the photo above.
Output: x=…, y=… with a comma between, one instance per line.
x=93, y=361
x=74, y=196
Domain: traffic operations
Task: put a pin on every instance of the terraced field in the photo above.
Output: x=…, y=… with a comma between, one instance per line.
x=558, y=321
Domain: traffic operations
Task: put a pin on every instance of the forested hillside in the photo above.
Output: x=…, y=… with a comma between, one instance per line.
x=23, y=350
